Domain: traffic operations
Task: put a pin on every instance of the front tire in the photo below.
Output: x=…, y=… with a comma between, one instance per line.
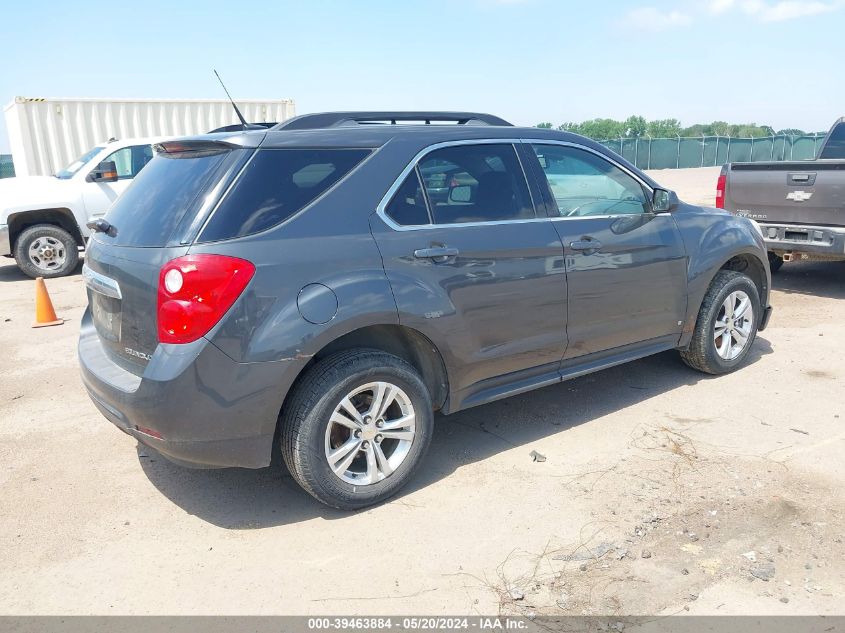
x=45, y=250
x=726, y=325
x=356, y=428
x=775, y=262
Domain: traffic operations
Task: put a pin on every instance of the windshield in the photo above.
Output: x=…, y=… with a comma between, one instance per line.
x=76, y=165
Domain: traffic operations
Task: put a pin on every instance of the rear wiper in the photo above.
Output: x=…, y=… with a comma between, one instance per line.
x=101, y=225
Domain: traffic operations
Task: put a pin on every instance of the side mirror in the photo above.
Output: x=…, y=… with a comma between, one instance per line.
x=105, y=172
x=461, y=193
x=664, y=201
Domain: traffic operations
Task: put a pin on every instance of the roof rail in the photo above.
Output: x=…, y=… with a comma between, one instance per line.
x=338, y=119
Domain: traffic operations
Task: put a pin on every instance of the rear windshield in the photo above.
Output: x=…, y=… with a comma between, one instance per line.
x=276, y=184
x=834, y=147
x=165, y=197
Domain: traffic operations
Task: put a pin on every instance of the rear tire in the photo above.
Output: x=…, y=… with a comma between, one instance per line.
x=726, y=325
x=775, y=262
x=352, y=459
x=46, y=250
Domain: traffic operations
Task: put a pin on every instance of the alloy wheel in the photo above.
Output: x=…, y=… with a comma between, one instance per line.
x=733, y=325
x=370, y=433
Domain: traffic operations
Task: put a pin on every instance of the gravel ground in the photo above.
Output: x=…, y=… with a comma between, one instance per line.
x=696, y=186
x=662, y=491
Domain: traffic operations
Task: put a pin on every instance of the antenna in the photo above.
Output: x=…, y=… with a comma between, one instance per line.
x=246, y=125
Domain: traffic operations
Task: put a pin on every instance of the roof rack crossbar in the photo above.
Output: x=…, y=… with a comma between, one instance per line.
x=337, y=119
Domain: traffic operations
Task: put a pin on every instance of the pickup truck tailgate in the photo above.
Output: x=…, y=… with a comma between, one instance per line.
x=810, y=193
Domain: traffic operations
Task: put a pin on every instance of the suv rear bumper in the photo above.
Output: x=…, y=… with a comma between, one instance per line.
x=194, y=405
x=823, y=242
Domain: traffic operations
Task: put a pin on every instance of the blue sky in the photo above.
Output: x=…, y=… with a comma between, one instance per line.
x=765, y=61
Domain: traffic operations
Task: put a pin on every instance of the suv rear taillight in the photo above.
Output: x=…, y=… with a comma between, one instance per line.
x=720, y=191
x=195, y=291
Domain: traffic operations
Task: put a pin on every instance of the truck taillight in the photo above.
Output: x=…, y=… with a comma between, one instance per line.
x=195, y=291
x=720, y=191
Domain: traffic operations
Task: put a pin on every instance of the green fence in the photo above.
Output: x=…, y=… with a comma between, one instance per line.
x=7, y=167
x=709, y=151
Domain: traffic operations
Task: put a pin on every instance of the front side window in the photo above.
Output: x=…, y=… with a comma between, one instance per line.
x=122, y=160
x=475, y=183
x=276, y=184
x=584, y=184
x=129, y=161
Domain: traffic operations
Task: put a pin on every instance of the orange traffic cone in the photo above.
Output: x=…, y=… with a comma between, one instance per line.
x=44, y=313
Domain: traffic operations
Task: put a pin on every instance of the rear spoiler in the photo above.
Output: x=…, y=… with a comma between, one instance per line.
x=204, y=146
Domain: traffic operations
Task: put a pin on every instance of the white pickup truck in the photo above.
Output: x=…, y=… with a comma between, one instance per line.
x=43, y=218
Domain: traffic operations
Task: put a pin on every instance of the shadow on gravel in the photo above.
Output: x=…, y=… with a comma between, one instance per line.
x=821, y=279
x=9, y=271
x=254, y=499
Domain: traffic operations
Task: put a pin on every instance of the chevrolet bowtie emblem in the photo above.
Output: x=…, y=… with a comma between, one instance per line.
x=799, y=196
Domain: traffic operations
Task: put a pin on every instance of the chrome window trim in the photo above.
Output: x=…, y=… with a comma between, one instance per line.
x=426, y=199
x=610, y=160
x=100, y=283
x=381, y=209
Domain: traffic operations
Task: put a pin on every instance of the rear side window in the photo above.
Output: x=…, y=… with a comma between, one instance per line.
x=408, y=204
x=834, y=147
x=276, y=184
x=475, y=183
x=168, y=190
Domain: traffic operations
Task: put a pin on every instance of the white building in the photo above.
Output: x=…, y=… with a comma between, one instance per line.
x=47, y=134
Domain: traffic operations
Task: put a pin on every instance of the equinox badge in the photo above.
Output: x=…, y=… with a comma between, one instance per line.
x=137, y=354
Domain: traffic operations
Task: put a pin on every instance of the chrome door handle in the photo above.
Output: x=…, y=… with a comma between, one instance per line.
x=439, y=253
x=586, y=245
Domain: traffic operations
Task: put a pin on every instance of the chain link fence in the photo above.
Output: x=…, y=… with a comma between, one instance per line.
x=674, y=153
x=7, y=167
x=710, y=151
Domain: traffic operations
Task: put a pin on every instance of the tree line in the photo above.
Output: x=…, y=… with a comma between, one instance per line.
x=637, y=126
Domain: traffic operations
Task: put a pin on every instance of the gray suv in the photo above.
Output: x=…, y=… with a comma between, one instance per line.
x=322, y=288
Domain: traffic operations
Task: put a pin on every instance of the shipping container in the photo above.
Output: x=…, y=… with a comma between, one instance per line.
x=45, y=135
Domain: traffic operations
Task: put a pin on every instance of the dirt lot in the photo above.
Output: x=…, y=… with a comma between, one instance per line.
x=663, y=490
x=696, y=186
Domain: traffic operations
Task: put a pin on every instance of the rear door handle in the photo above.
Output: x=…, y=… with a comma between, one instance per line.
x=588, y=245
x=438, y=253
